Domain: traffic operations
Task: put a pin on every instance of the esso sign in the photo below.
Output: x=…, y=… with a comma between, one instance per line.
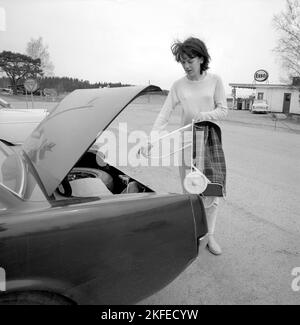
x=261, y=75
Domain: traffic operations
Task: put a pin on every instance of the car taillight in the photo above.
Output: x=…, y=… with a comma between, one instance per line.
x=199, y=215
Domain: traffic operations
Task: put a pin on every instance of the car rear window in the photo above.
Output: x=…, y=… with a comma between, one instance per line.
x=11, y=170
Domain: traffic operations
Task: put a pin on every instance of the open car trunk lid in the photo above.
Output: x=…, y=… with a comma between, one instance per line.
x=70, y=129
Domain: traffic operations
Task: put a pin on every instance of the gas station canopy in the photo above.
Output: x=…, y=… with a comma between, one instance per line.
x=249, y=86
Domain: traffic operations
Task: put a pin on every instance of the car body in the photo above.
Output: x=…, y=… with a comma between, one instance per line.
x=6, y=91
x=62, y=246
x=17, y=124
x=260, y=106
x=4, y=103
x=22, y=91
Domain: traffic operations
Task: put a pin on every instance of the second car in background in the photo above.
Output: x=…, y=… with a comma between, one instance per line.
x=260, y=106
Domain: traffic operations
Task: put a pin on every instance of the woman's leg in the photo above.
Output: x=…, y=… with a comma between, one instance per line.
x=185, y=165
x=210, y=203
x=211, y=209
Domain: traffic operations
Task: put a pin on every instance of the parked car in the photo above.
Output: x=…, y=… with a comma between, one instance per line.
x=6, y=91
x=17, y=124
x=260, y=106
x=38, y=92
x=22, y=91
x=4, y=103
x=64, y=242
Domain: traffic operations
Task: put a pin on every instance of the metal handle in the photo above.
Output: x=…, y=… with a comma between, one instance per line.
x=165, y=136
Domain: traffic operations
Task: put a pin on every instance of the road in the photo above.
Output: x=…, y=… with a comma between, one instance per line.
x=258, y=225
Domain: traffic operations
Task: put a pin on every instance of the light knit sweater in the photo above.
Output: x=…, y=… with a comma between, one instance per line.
x=200, y=100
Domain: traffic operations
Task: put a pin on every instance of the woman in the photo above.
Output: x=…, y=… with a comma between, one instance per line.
x=200, y=96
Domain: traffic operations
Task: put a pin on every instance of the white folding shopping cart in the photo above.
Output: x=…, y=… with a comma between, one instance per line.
x=195, y=181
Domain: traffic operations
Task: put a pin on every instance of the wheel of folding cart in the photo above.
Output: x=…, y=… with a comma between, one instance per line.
x=196, y=182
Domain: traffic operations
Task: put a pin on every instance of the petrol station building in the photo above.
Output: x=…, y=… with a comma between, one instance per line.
x=281, y=98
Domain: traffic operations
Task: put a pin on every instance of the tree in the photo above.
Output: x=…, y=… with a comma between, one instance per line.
x=37, y=50
x=18, y=66
x=288, y=48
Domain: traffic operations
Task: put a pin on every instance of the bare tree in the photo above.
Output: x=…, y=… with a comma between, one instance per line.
x=287, y=23
x=37, y=50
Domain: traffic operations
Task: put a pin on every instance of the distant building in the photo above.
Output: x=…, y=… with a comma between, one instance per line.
x=230, y=103
x=280, y=97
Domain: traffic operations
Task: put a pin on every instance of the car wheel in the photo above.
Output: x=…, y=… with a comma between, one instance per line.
x=65, y=188
x=34, y=298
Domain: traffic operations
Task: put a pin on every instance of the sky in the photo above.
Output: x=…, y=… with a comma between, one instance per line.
x=129, y=41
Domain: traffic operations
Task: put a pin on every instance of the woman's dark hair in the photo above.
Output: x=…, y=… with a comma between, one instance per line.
x=191, y=47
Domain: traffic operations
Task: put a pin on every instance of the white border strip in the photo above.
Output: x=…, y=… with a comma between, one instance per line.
x=2, y=20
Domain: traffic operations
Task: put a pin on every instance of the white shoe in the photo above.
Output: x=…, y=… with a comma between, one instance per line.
x=213, y=246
